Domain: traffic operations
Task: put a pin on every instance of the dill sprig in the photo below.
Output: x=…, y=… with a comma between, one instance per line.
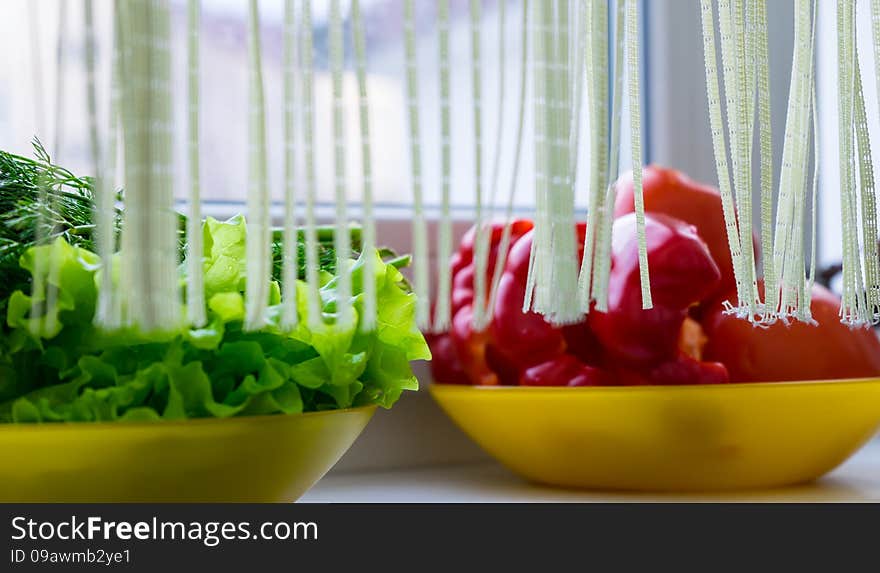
x=68, y=213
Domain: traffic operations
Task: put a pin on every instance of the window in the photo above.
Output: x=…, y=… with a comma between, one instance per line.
x=676, y=128
x=679, y=130
x=24, y=112
x=829, y=231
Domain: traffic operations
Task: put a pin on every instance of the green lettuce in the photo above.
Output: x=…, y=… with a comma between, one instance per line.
x=75, y=372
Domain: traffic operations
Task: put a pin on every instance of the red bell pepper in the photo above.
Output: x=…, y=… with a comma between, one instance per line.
x=469, y=349
x=620, y=348
x=564, y=370
x=445, y=365
x=671, y=192
x=682, y=274
x=524, y=339
x=685, y=339
x=682, y=370
x=462, y=263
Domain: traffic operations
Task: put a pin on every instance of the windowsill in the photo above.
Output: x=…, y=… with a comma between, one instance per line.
x=414, y=453
x=854, y=481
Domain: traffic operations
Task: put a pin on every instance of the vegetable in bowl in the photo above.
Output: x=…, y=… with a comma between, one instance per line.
x=687, y=338
x=76, y=372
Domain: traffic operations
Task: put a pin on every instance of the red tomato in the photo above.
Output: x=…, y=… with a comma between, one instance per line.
x=797, y=351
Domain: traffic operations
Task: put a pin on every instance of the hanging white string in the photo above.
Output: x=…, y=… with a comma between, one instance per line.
x=481, y=244
x=341, y=236
x=604, y=217
x=814, y=204
x=162, y=164
x=748, y=48
x=38, y=288
x=504, y=245
x=109, y=311
x=60, y=68
x=788, y=245
x=745, y=84
x=289, y=264
x=804, y=126
x=368, y=242
x=258, y=223
x=870, y=254
x=544, y=299
x=420, y=236
x=579, y=45
x=51, y=292
x=539, y=249
x=749, y=51
x=868, y=202
x=36, y=66
x=91, y=92
x=719, y=144
x=733, y=40
x=195, y=288
x=729, y=70
x=632, y=54
x=563, y=247
x=787, y=188
x=851, y=311
x=484, y=316
x=315, y=318
x=805, y=311
x=150, y=234
x=442, y=311
x=597, y=88
x=499, y=120
x=762, y=57
x=874, y=296
x=131, y=223
x=744, y=53
x=104, y=199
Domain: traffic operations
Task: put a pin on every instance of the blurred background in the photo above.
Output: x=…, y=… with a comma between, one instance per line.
x=225, y=94
x=676, y=132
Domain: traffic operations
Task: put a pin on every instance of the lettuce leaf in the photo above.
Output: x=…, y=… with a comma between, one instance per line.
x=77, y=373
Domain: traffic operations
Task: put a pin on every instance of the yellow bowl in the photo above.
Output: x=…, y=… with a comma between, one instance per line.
x=669, y=438
x=253, y=459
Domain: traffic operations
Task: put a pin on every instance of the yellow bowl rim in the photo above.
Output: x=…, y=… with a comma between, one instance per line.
x=649, y=387
x=97, y=426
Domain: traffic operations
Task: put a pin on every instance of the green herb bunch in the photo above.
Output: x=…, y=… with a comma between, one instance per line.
x=75, y=371
x=67, y=212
